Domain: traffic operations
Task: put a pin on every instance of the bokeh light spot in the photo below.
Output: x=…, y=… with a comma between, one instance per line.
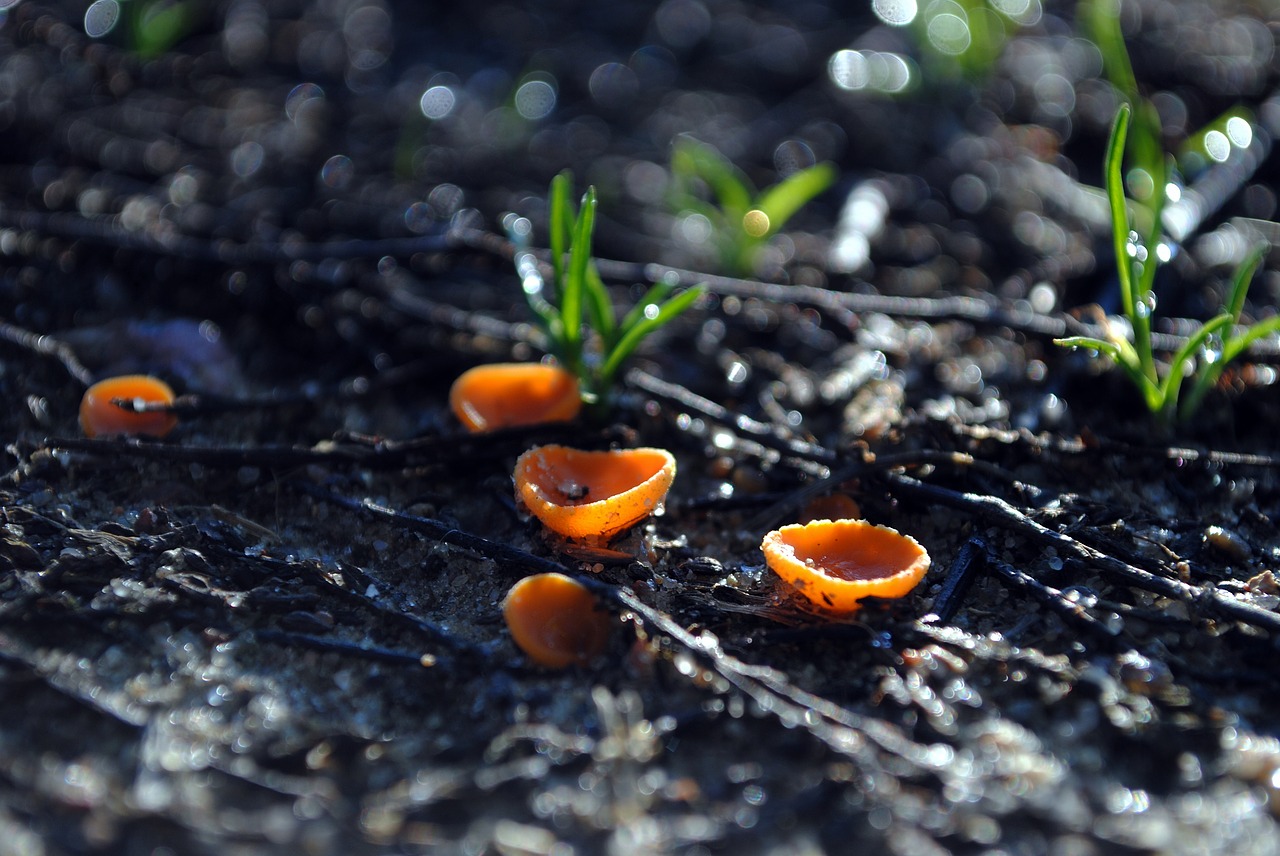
x=1217, y=145
x=101, y=18
x=1239, y=132
x=535, y=99
x=949, y=33
x=337, y=172
x=437, y=102
x=299, y=96
x=755, y=223
x=895, y=12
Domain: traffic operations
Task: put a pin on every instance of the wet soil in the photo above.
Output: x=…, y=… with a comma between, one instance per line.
x=279, y=629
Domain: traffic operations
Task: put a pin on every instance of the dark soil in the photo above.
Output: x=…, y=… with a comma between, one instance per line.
x=278, y=630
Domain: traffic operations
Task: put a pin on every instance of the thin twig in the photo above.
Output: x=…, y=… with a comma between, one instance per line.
x=47, y=346
x=439, y=452
x=1105, y=446
x=997, y=511
x=508, y=557
x=762, y=432
x=971, y=559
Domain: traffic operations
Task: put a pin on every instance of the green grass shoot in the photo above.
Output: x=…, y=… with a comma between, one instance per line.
x=573, y=308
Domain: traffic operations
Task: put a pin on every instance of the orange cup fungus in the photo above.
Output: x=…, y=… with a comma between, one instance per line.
x=100, y=416
x=593, y=495
x=504, y=395
x=555, y=621
x=836, y=563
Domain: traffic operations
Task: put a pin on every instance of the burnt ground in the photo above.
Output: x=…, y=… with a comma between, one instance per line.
x=279, y=629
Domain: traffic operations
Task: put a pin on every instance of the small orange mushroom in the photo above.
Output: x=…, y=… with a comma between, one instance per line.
x=100, y=416
x=504, y=395
x=836, y=563
x=593, y=495
x=555, y=620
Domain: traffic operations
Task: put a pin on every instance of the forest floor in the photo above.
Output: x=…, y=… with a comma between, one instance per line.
x=279, y=629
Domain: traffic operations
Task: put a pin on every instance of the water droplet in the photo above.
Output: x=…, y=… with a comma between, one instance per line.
x=1211, y=351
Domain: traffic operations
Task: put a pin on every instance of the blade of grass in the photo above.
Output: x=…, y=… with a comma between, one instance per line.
x=560, y=216
x=655, y=294
x=650, y=322
x=1242, y=279
x=726, y=181
x=1104, y=22
x=1231, y=350
x=1124, y=356
x=1130, y=296
x=575, y=279
x=784, y=199
x=1237, y=344
x=1234, y=346
x=600, y=307
x=1172, y=385
x=1119, y=208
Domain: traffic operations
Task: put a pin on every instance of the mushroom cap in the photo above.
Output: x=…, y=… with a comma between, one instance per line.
x=593, y=495
x=100, y=416
x=504, y=395
x=555, y=620
x=836, y=563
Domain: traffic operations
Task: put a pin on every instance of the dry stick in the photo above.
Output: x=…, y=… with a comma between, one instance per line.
x=47, y=346
x=1102, y=445
x=506, y=555
x=1001, y=513
x=214, y=456
x=362, y=651
x=971, y=559
x=356, y=593
x=838, y=727
x=844, y=304
x=1055, y=601
x=762, y=432
x=107, y=231
x=988, y=312
x=365, y=452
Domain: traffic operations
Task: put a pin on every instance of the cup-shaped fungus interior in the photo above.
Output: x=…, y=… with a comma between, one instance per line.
x=505, y=395
x=593, y=495
x=555, y=621
x=100, y=416
x=837, y=563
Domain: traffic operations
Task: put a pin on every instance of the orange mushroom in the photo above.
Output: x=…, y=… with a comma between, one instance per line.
x=836, y=563
x=100, y=416
x=593, y=495
x=555, y=620
x=504, y=395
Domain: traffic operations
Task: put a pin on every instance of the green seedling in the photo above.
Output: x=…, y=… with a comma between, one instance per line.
x=741, y=219
x=1148, y=172
x=573, y=309
x=1205, y=354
